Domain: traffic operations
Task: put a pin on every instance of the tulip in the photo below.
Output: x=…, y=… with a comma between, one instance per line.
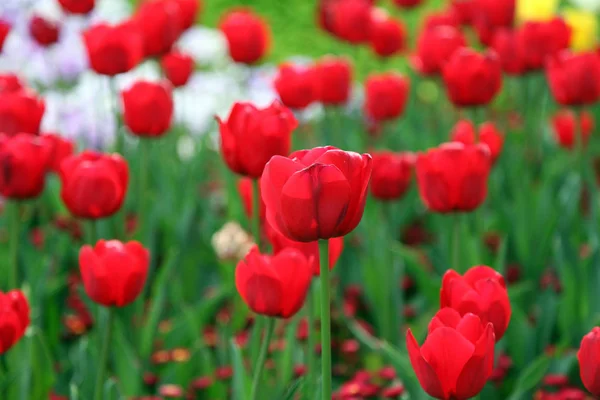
x=453, y=177
x=94, y=184
x=247, y=35
x=386, y=96
x=510, y=52
x=25, y=161
x=316, y=194
x=58, y=149
x=435, y=46
x=494, y=13
x=44, y=31
x=160, y=23
x=178, y=67
x=567, y=126
x=437, y=19
x=352, y=20
x=472, y=79
x=77, y=6
x=4, y=31
x=189, y=12
x=251, y=136
x=296, y=85
x=20, y=111
x=574, y=79
x=333, y=77
x=113, y=50
x=387, y=35
x=392, y=174
x=589, y=363
x=584, y=29
x=542, y=40
x=457, y=357
x=408, y=3
x=464, y=132
x=464, y=10
x=14, y=320
x=148, y=108
x=480, y=291
x=10, y=83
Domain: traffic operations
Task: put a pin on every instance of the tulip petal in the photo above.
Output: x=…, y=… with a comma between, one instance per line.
x=478, y=369
x=296, y=274
x=588, y=356
x=425, y=373
x=480, y=272
x=445, y=292
x=445, y=317
x=470, y=327
x=95, y=277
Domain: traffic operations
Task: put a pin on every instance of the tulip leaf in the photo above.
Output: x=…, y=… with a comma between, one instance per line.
x=241, y=380
x=530, y=377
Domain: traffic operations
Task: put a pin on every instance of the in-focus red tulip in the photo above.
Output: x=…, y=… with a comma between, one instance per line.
x=251, y=136
x=352, y=20
x=21, y=111
x=457, y=357
x=316, y=194
x=113, y=50
x=14, y=319
x=178, y=67
x=386, y=96
x=471, y=78
x=510, y=51
x=244, y=187
x=24, y=162
x=480, y=291
x=275, y=286
x=566, y=125
x=160, y=23
x=453, y=177
x=333, y=77
x=4, y=31
x=58, y=149
x=94, y=184
x=114, y=273
x=543, y=39
x=44, y=31
x=464, y=132
x=10, y=83
x=296, y=85
x=464, y=10
x=392, y=174
x=387, y=36
x=148, y=108
x=77, y=6
x=589, y=361
x=189, y=12
x=309, y=249
x=435, y=46
x=408, y=3
x=574, y=78
x=247, y=34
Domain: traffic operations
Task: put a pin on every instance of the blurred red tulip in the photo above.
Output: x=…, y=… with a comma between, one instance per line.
x=275, y=286
x=10, y=83
x=316, y=194
x=244, y=187
x=589, y=362
x=464, y=10
x=44, y=31
x=392, y=174
x=333, y=76
x=24, y=161
x=4, y=31
x=14, y=320
x=494, y=13
x=351, y=20
x=510, y=51
x=480, y=291
x=457, y=357
x=113, y=50
x=178, y=67
x=408, y=3
x=386, y=96
x=114, y=273
x=435, y=46
x=542, y=39
x=464, y=132
x=443, y=18
x=566, y=125
x=574, y=79
x=296, y=85
x=20, y=111
x=189, y=12
x=58, y=149
x=148, y=108
x=387, y=35
x=94, y=184
x=247, y=34
x=453, y=177
x=251, y=136
x=161, y=23
x=77, y=6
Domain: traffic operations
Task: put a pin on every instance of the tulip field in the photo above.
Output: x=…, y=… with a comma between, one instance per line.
x=312, y=200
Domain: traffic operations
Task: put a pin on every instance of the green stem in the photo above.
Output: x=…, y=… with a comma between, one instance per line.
x=256, y=212
x=102, y=366
x=143, y=186
x=325, y=322
x=312, y=341
x=262, y=356
x=15, y=225
x=119, y=136
x=456, y=243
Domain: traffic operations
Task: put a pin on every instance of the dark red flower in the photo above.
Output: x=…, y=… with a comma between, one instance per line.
x=44, y=31
x=453, y=177
x=178, y=67
x=58, y=149
x=316, y=194
x=247, y=34
x=10, y=83
x=4, y=30
x=189, y=12
x=574, y=78
x=148, y=108
x=435, y=46
x=251, y=136
x=589, y=364
x=407, y=3
x=510, y=51
x=275, y=286
x=333, y=76
x=542, y=39
x=114, y=273
x=386, y=96
x=387, y=36
x=480, y=291
x=392, y=174
x=160, y=23
x=464, y=10
x=567, y=126
x=464, y=132
x=20, y=111
x=296, y=85
x=94, y=184
x=23, y=162
x=77, y=6
x=351, y=20
x=14, y=319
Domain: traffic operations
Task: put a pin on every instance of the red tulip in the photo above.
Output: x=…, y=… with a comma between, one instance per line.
x=464, y=132
x=4, y=31
x=480, y=291
x=178, y=67
x=453, y=177
x=114, y=273
x=148, y=108
x=113, y=50
x=574, y=78
x=24, y=162
x=14, y=320
x=543, y=39
x=435, y=46
x=247, y=34
x=161, y=23
x=392, y=174
x=94, y=184
x=316, y=194
x=510, y=51
x=444, y=18
x=407, y=3
x=20, y=111
x=333, y=76
x=309, y=249
x=351, y=20
x=77, y=6
x=589, y=361
x=464, y=10
x=189, y=12
x=10, y=83
x=386, y=96
x=494, y=13
x=58, y=148
x=387, y=35
x=275, y=286
x=471, y=78
x=251, y=136
x=244, y=187
x=567, y=125
x=296, y=85
x=44, y=31
x=457, y=357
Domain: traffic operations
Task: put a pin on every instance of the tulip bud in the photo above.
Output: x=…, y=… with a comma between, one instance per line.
x=247, y=35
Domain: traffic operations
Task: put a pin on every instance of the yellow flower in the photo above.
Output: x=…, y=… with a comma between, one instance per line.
x=584, y=27
x=536, y=10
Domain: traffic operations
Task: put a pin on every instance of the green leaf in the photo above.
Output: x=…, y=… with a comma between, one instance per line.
x=530, y=377
x=241, y=380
